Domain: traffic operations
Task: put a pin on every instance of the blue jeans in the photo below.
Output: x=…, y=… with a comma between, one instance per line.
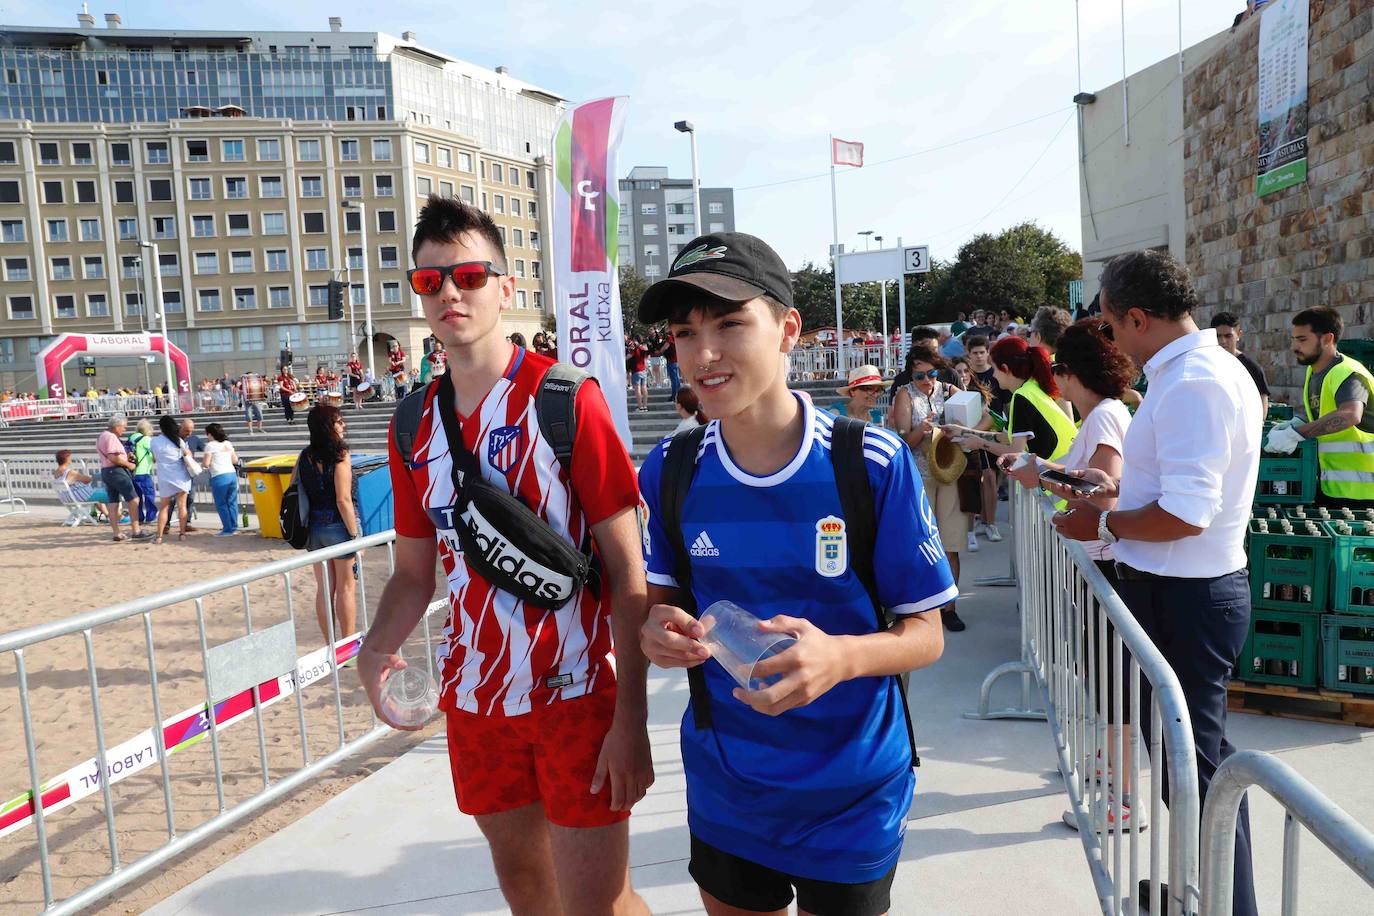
x=147, y=498
x=225, y=488
x=674, y=378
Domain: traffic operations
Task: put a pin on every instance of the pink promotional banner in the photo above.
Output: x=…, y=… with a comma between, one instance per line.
x=586, y=216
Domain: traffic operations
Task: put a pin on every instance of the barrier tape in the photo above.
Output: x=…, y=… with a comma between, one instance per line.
x=178, y=733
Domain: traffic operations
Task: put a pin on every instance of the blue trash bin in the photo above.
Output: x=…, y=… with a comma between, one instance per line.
x=372, y=482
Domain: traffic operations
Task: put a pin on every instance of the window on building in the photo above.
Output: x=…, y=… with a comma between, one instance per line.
x=250, y=340
x=715, y=208
x=518, y=238
x=316, y=259
x=421, y=152
x=239, y=224
x=534, y=240
x=269, y=150
x=9, y=192
x=202, y=226
x=497, y=173
x=88, y=230
x=650, y=251
x=12, y=230
x=133, y=304
x=97, y=305
x=348, y=150
x=168, y=265
x=208, y=300
x=391, y=293
x=17, y=270
x=532, y=209
x=650, y=229
x=312, y=223
x=121, y=154
x=57, y=230
x=648, y=209
x=465, y=194
x=231, y=151
x=215, y=340
x=499, y=202
x=279, y=297
x=387, y=257
x=61, y=268
x=318, y=295
x=288, y=336
x=464, y=161
x=207, y=262
x=519, y=269
x=424, y=187
x=157, y=152
x=381, y=149
x=502, y=231
x=312, y=186
x=49, y=154
x=521, y=299
x=240, y=262
x=128, y=229
x=171, y=304
x=484, y=200
x=197, y=151
x=386, y=220
x=124, y=192
x=199, y=188
x=6, y=350
x=382, y=186
x=64, y=306
x=321, y=336
x=52, y=192
x=716, y=227
x=164, y=227
x=515, y=208
x=81, y=154
x=353, y=221
x=274, y=224
x=651, y=271
x=534, y=269
x=85, y=192
x=529, y=183
x=355, y=259
x=270, y=186
x=245, y=298
x=160, y=189
x=236, y=188
x=8, y=154
x=353, y=186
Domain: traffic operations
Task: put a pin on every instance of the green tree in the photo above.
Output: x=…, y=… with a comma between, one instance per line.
x=1053, y=260
x=1021, y=268
x=813, y=293
x=632, y=287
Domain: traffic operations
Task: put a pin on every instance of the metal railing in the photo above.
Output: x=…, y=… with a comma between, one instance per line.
x=230, y=679
x=823, y=362
x=31, y=478
x=9, y=503
x=1304, y=806
x=1088, y=655
x=77, y=407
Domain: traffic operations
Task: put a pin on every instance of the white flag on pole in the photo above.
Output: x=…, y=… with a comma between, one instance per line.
x=846, y=152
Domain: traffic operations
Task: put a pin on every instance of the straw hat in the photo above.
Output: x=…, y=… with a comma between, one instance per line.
x=863, y=376
x=944, y=457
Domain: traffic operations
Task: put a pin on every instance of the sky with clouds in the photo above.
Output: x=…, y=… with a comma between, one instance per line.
x=965, y=108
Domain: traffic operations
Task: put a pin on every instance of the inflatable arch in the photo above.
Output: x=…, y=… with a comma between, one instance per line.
x=56, y=354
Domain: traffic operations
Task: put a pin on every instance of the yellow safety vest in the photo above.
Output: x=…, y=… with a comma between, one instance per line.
x=1347, y=457
x=1063, y=427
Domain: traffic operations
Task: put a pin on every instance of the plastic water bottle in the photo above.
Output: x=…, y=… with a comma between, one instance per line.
x=410, y=696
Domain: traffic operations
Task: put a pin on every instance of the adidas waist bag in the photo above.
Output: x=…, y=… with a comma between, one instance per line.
x=503, y=541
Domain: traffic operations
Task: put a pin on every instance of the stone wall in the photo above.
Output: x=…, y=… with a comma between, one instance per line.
x=1312, y=244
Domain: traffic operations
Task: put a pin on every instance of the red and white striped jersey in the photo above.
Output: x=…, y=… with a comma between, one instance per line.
x=500, y=656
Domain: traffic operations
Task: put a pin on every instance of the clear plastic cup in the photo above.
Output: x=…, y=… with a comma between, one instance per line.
x=410, y=696
x=737, y=643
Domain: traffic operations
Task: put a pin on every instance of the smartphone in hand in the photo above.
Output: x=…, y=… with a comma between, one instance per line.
x=1077, y=484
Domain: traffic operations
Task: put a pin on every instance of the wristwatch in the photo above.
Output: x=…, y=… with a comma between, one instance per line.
x=1104, y=534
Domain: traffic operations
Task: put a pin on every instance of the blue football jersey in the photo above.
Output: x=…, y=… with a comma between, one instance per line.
x=821, y=791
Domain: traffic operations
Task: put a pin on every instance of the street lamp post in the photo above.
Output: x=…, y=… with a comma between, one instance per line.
x=162, y=312
x=866, y=234
x=142, y=317
x=887, y=345
x=367, y=288
x=686, y=127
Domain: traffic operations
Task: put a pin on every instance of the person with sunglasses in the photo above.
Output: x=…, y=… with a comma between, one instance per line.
x=546, y=709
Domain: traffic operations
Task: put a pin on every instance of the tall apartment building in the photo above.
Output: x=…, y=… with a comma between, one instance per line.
x=656, y=218
x=262, y=165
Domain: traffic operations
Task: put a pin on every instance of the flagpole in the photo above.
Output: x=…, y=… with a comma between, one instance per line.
x=835, y=265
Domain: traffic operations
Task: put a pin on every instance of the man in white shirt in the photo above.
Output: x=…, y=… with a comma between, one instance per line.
x=1190, y=463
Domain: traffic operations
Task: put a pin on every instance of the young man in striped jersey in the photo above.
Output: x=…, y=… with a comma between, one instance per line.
x=801, y=787
x=547, y=732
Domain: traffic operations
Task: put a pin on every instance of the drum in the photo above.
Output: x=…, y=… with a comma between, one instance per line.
x=254, y=388
x=332, y=398
x=298, y=399
x=363, y=388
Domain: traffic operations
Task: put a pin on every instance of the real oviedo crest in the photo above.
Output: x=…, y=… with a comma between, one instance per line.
x=505, y=448
x=832, y=554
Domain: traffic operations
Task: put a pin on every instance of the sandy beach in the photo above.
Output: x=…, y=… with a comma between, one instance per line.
x=49, y=573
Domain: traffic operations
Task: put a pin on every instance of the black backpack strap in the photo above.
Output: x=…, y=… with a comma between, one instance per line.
x=556, y=407
x=679, y=467
x=405, y=423
x=861, y=529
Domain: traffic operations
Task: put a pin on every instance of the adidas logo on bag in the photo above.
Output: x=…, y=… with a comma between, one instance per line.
x=702, y=546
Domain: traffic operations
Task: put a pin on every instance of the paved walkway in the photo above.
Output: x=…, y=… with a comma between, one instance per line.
x=985, y=833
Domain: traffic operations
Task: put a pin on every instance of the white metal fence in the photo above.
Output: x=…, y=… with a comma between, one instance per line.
x=106, y=405
x=31, y=479
x=233, y=666
x=10, y=504
x=823, y=362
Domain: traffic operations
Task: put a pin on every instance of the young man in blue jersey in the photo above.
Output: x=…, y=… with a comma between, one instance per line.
x=802, y=787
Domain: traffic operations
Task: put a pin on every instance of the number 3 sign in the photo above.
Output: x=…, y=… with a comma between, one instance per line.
x=916, y=260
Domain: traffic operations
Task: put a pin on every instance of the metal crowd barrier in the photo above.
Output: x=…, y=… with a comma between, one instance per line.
x=32, y=478
x=823, y=362
x=1081, y=646
x=9, y=503
x=1304, y=806
x=240, y=678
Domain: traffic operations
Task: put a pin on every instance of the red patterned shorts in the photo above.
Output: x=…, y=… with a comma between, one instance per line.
x=500, y=763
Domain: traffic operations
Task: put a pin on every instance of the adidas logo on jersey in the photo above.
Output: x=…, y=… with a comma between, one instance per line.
x=702, y=546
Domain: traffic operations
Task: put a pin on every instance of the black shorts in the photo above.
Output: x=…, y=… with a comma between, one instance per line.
x=119, y=484
x=749, y=886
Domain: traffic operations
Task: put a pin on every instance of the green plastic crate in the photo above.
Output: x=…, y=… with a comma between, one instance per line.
x=1359, y=348
x=1352, y=564
x=1289, y=572
x=1348, y=653
x=1281, y=648
x=1279, y=412
x=1287, y=480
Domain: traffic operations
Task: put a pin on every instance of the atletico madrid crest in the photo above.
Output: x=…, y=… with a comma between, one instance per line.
x=505, y=448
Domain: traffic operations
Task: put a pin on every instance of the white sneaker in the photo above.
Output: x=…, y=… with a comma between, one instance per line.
x=1112, y=826
x=972, y=542
x=992, y=533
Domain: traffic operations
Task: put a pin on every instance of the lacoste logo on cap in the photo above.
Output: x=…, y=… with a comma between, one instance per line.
x=699, y=253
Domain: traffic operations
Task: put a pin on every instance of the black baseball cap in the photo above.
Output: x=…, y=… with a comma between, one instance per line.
x=728, y=266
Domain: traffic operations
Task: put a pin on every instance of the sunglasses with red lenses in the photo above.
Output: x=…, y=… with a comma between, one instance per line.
x=469, y=275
